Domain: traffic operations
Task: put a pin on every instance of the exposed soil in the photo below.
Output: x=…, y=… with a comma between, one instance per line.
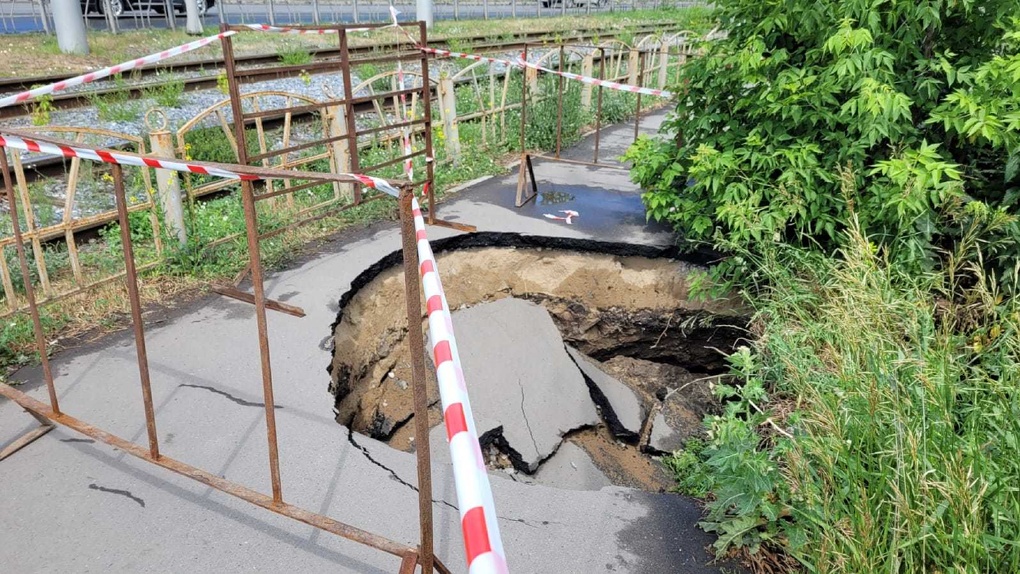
x=622, y=464
x=632, y=312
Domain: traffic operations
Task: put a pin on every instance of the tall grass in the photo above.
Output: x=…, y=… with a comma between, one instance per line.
x=882, y=429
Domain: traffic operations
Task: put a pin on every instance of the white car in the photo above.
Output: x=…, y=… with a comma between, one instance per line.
x=119, y=7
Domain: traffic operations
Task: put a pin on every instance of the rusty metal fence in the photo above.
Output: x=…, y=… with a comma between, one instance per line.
x=272, y=181
x=648, y=64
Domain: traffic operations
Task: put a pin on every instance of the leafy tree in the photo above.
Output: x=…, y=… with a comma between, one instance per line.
x=811, y=111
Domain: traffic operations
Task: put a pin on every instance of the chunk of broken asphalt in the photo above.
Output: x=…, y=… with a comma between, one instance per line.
x=520, y=378
x=622, y=408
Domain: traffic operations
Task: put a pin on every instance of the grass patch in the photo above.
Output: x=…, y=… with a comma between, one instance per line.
x=294, y=56
x=875, y=424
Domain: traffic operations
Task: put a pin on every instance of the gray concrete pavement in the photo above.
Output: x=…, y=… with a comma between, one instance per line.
x=71, y=505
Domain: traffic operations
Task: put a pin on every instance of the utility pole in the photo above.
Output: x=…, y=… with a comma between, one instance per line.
x=70, y=27
x=194, y=25
x=424, y=12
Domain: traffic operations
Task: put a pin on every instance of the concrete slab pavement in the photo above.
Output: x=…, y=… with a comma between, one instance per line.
x=71, y=505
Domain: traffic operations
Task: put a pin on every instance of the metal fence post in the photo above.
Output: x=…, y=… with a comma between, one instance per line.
x=448, y=113
x=416, y=342
x=19, y=245
x=272, y=14
x=171, y=20
x=131, y=279
x=111, y=18
x=44, y=12
x=168, y=186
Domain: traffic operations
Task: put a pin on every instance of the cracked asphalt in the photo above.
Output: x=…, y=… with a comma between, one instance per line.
x=74, y=505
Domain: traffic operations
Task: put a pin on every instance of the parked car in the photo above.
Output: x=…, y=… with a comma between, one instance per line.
x=119, y=7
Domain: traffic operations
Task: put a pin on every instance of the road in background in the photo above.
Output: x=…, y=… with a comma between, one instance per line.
x=24, y=16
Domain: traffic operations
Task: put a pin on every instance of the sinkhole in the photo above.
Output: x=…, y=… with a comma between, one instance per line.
x=583, y=359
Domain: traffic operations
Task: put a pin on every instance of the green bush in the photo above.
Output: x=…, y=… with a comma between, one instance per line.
x=810, y=111
x=875, y=427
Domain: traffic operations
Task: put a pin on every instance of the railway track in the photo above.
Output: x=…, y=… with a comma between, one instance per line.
x=79, y=99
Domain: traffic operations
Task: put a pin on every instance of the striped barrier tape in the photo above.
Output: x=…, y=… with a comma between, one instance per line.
x=474, y=57
x=520, y=63
x=319, y=31
x=109, y=156
x=482, y=542
x=597, y=82
x=112, y=70
x=568, y=218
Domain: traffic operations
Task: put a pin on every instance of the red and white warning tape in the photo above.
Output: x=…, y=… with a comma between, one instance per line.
x=314, y=31
x=109, y=156
x=569, y=216
x=474, y=57
x=112, y=70
x=598, y=82
x=482, y=542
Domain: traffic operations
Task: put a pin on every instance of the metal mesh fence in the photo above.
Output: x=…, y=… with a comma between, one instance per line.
x=35, y=15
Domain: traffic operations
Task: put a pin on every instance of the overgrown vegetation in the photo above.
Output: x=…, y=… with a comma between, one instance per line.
x=858, y=162
x=873, y=427
x=810, y=111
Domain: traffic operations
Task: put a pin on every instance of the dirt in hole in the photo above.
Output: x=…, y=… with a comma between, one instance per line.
x=631, y=313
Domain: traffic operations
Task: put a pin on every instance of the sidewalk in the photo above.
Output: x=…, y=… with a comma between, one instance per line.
x=71, y=505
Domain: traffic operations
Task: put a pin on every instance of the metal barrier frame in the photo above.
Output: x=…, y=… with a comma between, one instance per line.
x=526, y=169
x=48, y=414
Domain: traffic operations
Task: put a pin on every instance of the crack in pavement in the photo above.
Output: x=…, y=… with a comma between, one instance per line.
x=396, y=477
x=526, y=422
x=86, y=440
x=241, y=402
x=126, y=493
x=393, y=473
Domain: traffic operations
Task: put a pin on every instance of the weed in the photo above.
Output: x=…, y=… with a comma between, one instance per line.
x=117, y=105
x=167, y=93
x=290, y=56
x=222, y=82
x=41, y=108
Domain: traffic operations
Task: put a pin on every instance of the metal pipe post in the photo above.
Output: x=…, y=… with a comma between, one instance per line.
x=417, y=344
x=131, y=280
x=352, y=128
x=637, y=109
x=426, y=100
x=559, y=107
x=598, y=105
x=258, y=289
x=19, y=245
